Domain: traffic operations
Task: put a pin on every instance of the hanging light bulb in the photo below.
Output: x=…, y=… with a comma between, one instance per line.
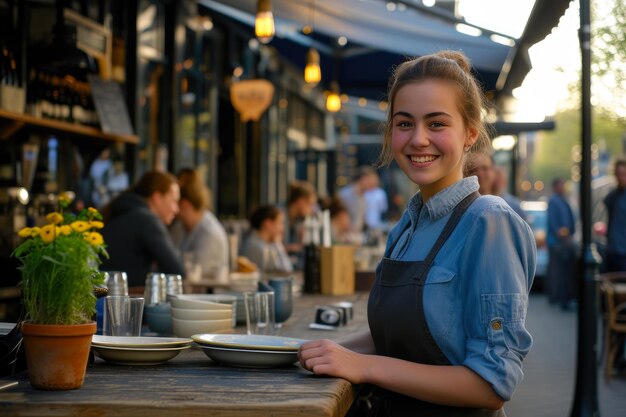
x=312, y=71
x=264, y=23
x=333, y=101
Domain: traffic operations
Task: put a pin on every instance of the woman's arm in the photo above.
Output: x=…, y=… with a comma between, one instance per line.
x=425, y=382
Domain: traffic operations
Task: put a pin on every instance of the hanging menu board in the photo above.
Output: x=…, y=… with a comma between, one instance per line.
x=110, y=105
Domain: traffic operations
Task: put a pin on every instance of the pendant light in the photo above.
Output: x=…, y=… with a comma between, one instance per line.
x=264, y=23
x=333, y=101
x=312, y=70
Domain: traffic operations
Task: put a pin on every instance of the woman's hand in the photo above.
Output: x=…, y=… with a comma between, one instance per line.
x=325, y=357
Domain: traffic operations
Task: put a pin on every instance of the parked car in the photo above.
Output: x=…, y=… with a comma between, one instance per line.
x=537, y=218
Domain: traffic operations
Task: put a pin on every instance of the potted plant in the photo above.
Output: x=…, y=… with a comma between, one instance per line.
x=59, y=268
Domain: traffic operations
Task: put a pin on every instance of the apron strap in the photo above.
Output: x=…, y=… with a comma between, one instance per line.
x=458, y=212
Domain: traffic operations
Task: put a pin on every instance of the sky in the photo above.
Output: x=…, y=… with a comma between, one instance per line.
x=555, y=60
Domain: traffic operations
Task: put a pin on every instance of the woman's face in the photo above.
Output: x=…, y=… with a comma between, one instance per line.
x=428, y=135
x=165, y=206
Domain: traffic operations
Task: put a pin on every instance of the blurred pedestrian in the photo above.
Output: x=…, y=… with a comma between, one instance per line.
x=561, y=228
x=480, y=164
x=376, y=206
x=615, y=203
x=446, y=312
x=135, y=228
x=500, y=188
x=352, y=196
x=196, y=232
x=264, y=243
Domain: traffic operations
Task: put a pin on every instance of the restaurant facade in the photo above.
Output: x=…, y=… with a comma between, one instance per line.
x=160, y=84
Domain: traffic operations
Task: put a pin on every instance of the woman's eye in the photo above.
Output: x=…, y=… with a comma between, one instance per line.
x=403, y=123
x=436, y=124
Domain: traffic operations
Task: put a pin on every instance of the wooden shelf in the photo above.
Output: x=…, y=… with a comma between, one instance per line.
x=11, y=122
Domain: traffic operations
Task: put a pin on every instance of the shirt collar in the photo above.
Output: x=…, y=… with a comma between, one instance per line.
x=444, y=201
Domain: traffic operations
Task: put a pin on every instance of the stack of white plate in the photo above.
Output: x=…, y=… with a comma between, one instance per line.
x=203, y=313
x=137, y=350
x=250, y=351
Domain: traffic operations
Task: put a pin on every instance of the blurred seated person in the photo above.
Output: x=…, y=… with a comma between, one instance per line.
x=264, y=243
x=341, y=230
x=480, y=164
x=135, y=229
x=196, y=231
x=301, y=203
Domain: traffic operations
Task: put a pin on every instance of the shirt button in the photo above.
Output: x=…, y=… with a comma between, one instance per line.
x=496, y=325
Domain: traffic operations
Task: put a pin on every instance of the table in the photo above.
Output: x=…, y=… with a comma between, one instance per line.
x=192, y=385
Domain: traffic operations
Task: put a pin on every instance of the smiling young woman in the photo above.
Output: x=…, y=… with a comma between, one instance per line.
x=446, y=323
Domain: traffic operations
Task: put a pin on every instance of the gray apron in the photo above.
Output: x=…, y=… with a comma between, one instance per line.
x=397, y=297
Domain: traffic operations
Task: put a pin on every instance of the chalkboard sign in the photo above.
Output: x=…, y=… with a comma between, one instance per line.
x=110, y=105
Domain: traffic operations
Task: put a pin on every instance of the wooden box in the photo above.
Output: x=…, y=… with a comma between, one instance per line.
x=337, y=270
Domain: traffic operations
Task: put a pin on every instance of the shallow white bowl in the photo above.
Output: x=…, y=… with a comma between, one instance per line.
x=203, y=301
x=199, y=314
x=187, y=328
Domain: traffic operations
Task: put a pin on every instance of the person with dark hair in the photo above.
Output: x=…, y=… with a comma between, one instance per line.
x=135, y=228
x=615, y=202
x=264, y=243
x=446, y=312
x=301, y=203
x=196, y=232
x=561, y=228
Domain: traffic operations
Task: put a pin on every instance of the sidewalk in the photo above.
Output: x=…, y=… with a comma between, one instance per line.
x=550, y=368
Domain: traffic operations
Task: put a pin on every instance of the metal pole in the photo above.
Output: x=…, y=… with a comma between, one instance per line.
x=586, y=394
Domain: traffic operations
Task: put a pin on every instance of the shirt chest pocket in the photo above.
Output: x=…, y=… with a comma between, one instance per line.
x=441, y=307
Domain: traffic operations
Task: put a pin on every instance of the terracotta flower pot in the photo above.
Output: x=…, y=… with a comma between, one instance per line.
x=57, y=355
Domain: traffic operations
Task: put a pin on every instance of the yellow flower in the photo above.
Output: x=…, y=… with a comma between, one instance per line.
x=96, y=224
x=94, y=238
x=48, y=233
x=25, y=232
x=35, y=231
x=54, y=217
x=64, y=198
x=80, y=225
x=65, y=229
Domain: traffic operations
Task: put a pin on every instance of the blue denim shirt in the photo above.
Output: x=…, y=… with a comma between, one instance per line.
x=479, y=282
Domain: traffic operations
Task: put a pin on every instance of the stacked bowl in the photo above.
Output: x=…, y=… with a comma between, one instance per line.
x=202, y=313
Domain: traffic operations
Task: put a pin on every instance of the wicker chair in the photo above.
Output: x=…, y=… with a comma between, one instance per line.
x=613, y=285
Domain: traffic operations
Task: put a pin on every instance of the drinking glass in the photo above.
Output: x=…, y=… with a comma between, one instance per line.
x=259, y=312
x=283, y=298
x=123, y=315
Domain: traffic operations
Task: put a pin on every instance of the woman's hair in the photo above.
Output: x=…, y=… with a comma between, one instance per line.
x=192, y=189
x=451, y=66
x=262, y=213
x=154, y=181
x=300, y=189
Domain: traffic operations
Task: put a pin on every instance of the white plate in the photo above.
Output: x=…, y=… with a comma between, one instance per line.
x=137, y=356
x=249, y=341
x=249, y=358
x=139, y=341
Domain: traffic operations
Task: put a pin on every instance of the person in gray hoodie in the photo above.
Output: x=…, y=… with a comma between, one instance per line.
x=135, y=229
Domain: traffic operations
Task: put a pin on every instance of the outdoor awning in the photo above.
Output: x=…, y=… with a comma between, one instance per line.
x=379, y=39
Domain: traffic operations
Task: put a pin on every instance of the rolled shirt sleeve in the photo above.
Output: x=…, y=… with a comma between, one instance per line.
x=499, y=262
